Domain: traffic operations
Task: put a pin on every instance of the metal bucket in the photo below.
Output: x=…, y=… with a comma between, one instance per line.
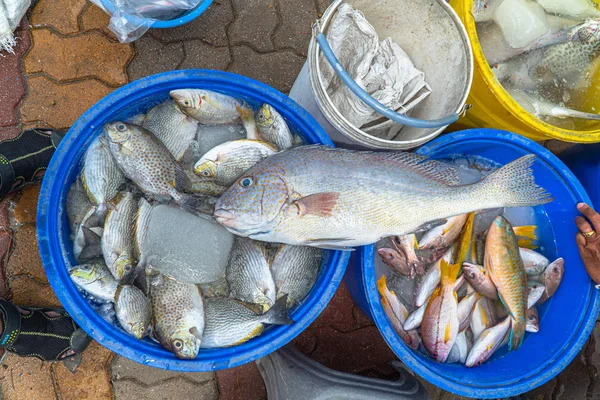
x=433, y=36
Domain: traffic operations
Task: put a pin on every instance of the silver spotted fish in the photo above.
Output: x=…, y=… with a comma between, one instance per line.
x=248, y=274
x=117, y=240
x=307, y=196
x=273, y=128
x=178, y=316
x=295, y=270
x=133, y=310
x=230, y=322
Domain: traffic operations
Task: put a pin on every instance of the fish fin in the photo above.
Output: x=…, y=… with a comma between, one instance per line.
x=527, y=236
x=194, y=331
x=513, y=185
x=98, y=217
x=90, y=252
x=449, y=271
x=329, y=244
x=517, y=334
x=320, y=204
x=197, y=204
x=432, y=169
x=278, y=314
x=382, y=285
x=90, y=236
x=447, y=333
x=430, y=225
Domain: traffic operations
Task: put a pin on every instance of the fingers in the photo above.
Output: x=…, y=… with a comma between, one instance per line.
x=583, y=225
x=590, y=214
x=581, y=242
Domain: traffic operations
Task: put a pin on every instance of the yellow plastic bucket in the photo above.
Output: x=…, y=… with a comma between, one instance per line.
x=493, y=107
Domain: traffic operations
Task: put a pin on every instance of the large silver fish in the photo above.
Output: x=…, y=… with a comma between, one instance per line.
x=148, y=163
x=178, y=315
x=117, y=240
x=230, y=322
x=172, y=127
x=336, y=198
x=295, y=270
x=101, y=176
x=248, y=274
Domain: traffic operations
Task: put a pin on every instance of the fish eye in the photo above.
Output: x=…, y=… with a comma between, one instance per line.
x=246, y=182
x=473, y=275
x=205, y=173
x=121, y=127
x=178, y=344
x=128, y=268
x=532, y=317
x=186, y=103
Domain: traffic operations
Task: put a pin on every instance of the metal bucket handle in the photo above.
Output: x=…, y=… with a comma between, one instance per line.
x=368, y=99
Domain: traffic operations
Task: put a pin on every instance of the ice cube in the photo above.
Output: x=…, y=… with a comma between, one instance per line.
x=186, y=247
x=572, y=8
x=212, y=136
x=521, y=21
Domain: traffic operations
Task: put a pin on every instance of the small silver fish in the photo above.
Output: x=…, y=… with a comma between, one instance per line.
x=415, y=318
x=488, y=342
x=533, y=320
x=396, y=261
x=101, y=176
x=465, y=310
x=133, y=310
x=460, y=350
x=295, y=270
x=78, y=204
x=178, y=316
x=230, y=322
x=228, y=161
x=538, y=107
x=431, y=280
x=212, y=108
x=533, y=262
x=95, y=278
x=552, y=278
x=172, y=127
x=483, y=316
x=117, y=240
x=273, y=128
x=443, y=235
x=535, y=293
x=408, y=245
x=397, y=314
x=248, y=274
x=480, y=280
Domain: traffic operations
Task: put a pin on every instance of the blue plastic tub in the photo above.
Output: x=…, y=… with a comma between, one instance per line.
x=584, y=161
x=184, y=19
x=53, y=229
x=566, y=319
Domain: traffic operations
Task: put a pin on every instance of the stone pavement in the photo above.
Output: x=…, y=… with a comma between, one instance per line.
x=66, y=60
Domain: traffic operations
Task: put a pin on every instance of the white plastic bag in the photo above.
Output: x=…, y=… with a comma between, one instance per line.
x=132, y=18
x=11, y=13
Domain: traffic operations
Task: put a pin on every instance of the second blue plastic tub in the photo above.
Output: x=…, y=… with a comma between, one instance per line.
x=53, y=228
x=184, y=19
x=566, y=320
x=584, y=161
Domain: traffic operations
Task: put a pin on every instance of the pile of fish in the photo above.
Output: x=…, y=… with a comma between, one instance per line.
x=476, y=291
x=543, y=53
x=144, y=235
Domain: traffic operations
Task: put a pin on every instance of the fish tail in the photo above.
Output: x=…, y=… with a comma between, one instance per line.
x=511, y=186
x=448, y=271
x=247, y=117
x=98, y=217
x=196, y=203
x=382, y=285
x=527, y=236
x=517, y=333
x=278, y=314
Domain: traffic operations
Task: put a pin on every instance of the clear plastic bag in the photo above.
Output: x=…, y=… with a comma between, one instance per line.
x=132, y=18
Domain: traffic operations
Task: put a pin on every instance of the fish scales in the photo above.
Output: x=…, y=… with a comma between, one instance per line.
x=383, y=196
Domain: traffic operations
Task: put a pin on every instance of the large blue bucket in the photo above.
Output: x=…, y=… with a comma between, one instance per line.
x=53, y=229
x=584, y=161
x=566, y=320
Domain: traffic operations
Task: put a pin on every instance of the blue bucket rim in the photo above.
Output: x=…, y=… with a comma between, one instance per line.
x=184, y=19
x=78, y=307
x=568, y=352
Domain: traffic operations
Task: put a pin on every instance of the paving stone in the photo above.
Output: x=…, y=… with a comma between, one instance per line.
x=295, y=29
x=210, y=27
x=556, y=146
x=543, y=392
x=6, y=240
x=26, y=208
x=85, y=56
x=434, y=392
x=178, y=388
x=254, y=24
x=306, y=342
x=93, y=18
x=60, y=14
x=25, y=258
x=241, y=383
x=91, y=379
x=9, y=132
x=154, y=57
x=353, y=352
x=5, y=203
x=360, y=319
x=26, y=378
x=59, y=105
x=278, y=69
x=123, y=368
x=574, y=381
x=338, y=312
x=322, y=6
x=12, y=88
x=29, y=292
x=201, y=55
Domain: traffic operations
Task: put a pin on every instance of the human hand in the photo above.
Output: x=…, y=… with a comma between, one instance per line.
x=588, y=240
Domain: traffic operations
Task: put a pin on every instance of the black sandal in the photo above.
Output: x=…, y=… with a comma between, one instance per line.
x=49, y=334
x=24, y=159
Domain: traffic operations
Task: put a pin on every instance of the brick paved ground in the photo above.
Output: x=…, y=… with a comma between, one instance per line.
x=66, y=60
